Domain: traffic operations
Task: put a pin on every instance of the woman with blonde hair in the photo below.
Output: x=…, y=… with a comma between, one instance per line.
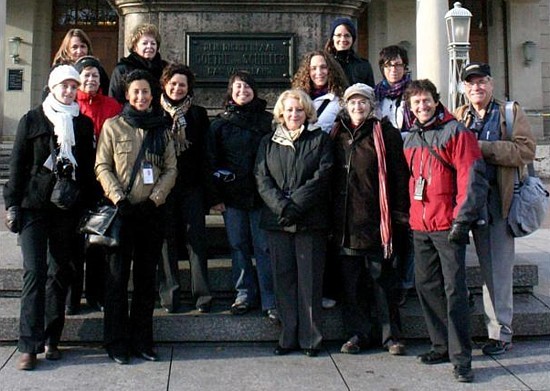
x=143, y=44
x=293, y=168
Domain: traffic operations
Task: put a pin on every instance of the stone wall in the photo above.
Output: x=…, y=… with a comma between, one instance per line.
x=309, y=21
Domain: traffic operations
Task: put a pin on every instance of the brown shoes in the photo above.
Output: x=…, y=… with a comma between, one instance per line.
x=26, y=362
x=53, y=353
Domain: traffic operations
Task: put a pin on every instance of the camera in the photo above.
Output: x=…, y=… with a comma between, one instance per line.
x=64, y=168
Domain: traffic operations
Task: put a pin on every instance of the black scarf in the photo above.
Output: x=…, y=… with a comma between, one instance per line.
x=150, y=121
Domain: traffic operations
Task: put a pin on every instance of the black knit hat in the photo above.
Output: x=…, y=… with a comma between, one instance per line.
x=345, y=21
x=85, y=62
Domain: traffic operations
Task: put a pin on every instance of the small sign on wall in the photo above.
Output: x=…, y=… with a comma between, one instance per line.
x=15, y=79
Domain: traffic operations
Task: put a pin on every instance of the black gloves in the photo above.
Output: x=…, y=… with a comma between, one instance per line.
x=290, y=214
x=13, y=216
x=459, y=233
x=124, y=207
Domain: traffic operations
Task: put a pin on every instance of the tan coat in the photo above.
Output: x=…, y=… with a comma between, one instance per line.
x=506, y=154
x=117, y=149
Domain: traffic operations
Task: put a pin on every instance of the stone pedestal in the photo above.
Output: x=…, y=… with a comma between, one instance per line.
x=308, y=21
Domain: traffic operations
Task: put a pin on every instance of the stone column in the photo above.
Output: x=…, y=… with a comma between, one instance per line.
x=431, y=44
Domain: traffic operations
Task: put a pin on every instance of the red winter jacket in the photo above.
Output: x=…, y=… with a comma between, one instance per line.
x=449, y=194
x=97, y=107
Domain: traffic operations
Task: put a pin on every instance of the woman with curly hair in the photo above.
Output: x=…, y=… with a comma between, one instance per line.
x=143, y=45
x=320, y=76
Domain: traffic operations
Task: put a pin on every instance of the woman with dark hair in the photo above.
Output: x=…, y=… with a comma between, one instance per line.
x=143, y=45
x=185, y=206
x=136, y=167
x=52, y=140
x=293, y=174
x=75, y=45
x=320, y=76
x=98, y=107
x=232, y=145
x=394, y=64
x=343, y=35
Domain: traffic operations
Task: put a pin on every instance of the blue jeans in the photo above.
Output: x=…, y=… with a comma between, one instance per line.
x=244, y=233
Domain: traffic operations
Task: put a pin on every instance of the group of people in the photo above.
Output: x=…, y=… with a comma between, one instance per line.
x=349, y=191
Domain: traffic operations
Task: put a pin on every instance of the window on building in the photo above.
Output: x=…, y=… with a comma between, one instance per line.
x=82, y=13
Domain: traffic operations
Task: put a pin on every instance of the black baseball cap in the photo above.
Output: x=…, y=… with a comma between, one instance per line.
x=476, y=69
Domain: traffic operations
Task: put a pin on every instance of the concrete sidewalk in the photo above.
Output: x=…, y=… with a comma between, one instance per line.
x=241, y=366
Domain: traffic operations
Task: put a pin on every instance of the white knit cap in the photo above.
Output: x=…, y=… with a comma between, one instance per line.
x=61, y=73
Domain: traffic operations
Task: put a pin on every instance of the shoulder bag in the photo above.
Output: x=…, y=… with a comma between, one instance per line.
x=101, y=224
x=530, y=199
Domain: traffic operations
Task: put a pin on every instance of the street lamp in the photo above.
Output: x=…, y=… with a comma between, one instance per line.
x=458, y=37
x=14, y=43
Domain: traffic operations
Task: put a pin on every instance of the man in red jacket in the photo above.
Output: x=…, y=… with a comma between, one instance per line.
x=447, y=188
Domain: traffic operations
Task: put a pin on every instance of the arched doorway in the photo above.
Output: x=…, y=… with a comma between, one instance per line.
x=97, y=18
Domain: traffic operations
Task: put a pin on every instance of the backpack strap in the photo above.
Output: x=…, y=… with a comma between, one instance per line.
x=322, y=107
x=509, y=117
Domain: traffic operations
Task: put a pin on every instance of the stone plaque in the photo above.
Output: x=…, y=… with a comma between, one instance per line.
x=214, y=57
x=15, y=79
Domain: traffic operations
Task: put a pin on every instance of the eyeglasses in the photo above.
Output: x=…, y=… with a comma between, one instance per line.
x=347, y=36
x=479, y=83
x=395, y=66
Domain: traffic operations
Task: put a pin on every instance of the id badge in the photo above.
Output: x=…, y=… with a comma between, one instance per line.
x=419, y=188
x=147, y=170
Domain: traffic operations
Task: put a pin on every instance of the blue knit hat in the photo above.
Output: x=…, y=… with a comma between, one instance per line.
x=345, y=21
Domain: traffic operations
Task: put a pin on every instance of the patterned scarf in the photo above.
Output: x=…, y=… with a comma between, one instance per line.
x=61, y=116
x=177, y=111
x=385, y=221
x=385, y=90
x=286, y=137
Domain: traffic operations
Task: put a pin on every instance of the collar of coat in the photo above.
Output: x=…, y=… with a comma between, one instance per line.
x=281, y=135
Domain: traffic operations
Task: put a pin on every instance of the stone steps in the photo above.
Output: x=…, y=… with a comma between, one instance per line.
x=531, y=318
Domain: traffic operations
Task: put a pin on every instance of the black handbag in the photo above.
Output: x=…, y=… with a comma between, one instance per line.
x=102, y=223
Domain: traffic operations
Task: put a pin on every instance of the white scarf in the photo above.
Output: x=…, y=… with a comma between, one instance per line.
x=61, y=116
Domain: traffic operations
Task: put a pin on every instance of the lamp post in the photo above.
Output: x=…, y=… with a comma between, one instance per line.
x=458, y=36
x=14, y=43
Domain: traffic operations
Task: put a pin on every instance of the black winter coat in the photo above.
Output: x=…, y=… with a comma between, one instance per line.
x=296, y=176
x=192, y=166
x=117, y=86
x=355, y=187
x=30, y=183
x=357, y=69
x=232, y=145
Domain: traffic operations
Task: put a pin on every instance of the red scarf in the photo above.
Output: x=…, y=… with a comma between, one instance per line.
x=385, y=220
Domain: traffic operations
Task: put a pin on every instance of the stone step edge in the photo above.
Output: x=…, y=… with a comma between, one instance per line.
x=524, y=278
x=531, y=318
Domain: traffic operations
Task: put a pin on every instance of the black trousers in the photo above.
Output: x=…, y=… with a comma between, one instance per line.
x=370, y=282
x=440, y=274
x=94, y=259
x=184, y=222
x=140, y=247
x=298, y=261
x=46, y=239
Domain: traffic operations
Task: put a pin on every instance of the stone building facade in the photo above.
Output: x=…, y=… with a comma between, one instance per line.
x=417, y=24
